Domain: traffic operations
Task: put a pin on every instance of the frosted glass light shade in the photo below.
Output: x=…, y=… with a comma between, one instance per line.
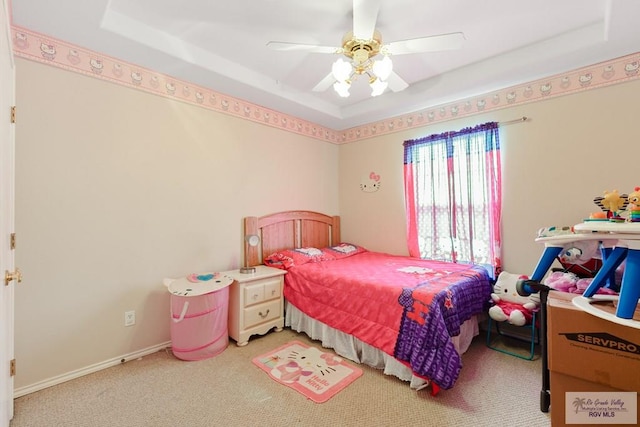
x=377, y=87
x=342, y=88
x=382, y=68
x=341, y=70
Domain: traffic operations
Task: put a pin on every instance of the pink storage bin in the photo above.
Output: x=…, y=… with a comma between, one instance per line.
x=199, y=315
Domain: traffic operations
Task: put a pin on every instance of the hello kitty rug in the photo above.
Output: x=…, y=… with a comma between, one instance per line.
x=316, y=374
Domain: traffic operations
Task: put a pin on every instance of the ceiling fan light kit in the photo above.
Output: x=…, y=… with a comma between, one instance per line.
x=345, y=72
x=361, y=54
x=362, y=45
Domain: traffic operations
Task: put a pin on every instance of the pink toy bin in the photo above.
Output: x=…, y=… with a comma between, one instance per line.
x=199, y=315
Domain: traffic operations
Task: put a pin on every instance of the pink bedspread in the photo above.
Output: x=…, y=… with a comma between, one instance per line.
x=407, y=307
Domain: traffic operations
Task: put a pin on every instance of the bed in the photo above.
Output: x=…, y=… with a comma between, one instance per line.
x=413, y=318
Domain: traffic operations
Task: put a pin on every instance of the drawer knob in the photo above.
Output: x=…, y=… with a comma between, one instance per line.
x=264, y=315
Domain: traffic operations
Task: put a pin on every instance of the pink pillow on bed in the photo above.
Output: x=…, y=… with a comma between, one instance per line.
x=343, y=250
x=288, y=258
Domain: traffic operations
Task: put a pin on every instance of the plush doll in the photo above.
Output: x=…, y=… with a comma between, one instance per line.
x=508, y=304
x=571, y=283
x=578, y=252
x=562, y=281
x=612, y=202
x=583, y=284
x=633, y=214
x=633, y=199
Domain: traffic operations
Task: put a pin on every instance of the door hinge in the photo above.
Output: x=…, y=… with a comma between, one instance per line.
x=12, y=241
x=13, y=114
x=12, y=368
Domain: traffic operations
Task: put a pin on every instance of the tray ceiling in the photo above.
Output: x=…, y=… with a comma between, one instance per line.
x=223, y=46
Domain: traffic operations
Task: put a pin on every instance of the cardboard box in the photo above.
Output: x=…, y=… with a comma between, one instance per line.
x=592, y=359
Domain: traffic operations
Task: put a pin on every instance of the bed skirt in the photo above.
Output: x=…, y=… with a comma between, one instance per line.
x=353, y=349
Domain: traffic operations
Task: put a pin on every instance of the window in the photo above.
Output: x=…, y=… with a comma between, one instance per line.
x=453, y=196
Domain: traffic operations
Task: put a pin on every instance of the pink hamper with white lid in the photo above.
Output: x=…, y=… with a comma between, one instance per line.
x=199, y=315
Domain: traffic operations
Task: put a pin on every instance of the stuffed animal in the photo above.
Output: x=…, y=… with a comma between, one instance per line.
x=633, y=214
x=562, y=281
x=508, y=304
x=578, y=252
x=571, y=283
x=612, y=202
x=583, y=284
x=634, y=199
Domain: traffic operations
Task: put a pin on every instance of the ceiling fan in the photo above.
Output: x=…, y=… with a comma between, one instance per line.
x=363, y=46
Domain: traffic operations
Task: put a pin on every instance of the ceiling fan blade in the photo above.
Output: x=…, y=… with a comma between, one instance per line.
x=324, y=83
x=365, y=14
x=396, y=83
x=286, y=46
x=425, y=44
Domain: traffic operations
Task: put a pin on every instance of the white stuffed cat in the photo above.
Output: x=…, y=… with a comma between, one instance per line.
x=508, y=304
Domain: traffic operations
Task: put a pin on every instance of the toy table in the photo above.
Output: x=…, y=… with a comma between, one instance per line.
x=627, y=235
x=622, y=240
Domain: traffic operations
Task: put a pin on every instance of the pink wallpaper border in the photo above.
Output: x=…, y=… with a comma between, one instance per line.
x=41, y=48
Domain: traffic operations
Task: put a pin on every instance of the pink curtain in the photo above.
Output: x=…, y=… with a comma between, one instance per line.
x=453, y=196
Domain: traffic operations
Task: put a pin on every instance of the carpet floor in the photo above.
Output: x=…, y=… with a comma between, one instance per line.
x=160, y=390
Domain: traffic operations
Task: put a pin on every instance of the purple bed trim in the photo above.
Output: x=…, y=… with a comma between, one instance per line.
x=425, y=344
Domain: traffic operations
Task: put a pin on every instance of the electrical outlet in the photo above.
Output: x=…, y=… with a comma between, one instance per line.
x=129, y=318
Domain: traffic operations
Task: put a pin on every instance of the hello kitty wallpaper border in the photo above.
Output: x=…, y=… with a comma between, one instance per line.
x=41, y=48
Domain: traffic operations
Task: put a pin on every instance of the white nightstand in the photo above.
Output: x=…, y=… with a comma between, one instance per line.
x=255, y=303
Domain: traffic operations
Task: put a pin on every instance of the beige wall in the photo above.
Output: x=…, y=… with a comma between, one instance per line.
x=573, y=148
x=117, y=189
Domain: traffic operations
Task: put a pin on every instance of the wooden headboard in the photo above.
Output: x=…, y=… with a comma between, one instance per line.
x=289, y=230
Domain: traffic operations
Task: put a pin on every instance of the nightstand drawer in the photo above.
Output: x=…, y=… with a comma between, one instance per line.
x=272, y=289
x=262, y=313
x=253, y=294
x=256, y=303
x=262, y=290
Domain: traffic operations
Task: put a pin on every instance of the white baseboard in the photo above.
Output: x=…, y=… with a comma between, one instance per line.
x=88, y=370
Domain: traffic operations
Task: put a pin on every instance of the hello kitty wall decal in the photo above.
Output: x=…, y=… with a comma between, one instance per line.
x=371, y=184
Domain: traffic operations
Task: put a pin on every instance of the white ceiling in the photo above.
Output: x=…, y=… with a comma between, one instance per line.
x=221, y=45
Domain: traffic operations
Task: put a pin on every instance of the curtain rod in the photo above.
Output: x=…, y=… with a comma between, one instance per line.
x=510, y=122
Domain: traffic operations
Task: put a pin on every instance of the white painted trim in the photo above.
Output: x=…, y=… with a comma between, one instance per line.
x=88, y=370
